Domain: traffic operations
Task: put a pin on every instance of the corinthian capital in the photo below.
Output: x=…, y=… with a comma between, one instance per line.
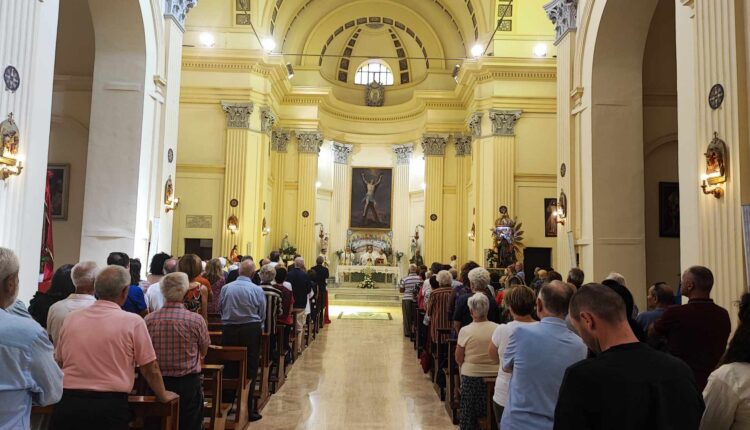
x=504, y=122
x=434, y=144
x=403, y=153
x=280, y=140
x=267, y=119
x=309, y=142
x=178, y=10
x=463, y=144
x=563, y=14
x=341, y=152
x=474, y=124
x=238, y=114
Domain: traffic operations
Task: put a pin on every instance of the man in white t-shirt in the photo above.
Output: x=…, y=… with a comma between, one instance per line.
x=154, y=297
x=83, y=275
x=520, y=302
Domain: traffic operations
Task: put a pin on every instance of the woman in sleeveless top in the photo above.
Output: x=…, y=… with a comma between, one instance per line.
x=196, y=298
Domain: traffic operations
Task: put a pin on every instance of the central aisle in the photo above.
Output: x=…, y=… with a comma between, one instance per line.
x=358, y=374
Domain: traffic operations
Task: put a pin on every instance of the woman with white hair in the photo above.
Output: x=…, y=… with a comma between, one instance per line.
x=474, y=361
x=437, y=307
x=479, y=279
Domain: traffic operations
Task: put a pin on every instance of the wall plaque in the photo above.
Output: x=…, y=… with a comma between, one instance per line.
x=198, y=221
x=716, y=96
x=433, y=217
x=305, y=214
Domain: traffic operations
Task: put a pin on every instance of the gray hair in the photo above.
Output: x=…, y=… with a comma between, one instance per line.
x=412, y=268
x=454, y=273
x=479, y=305
x=267, y=273
x=479, y=278
x=614, y=276
x=83, y=274
x=174, y=286
x=320, y=260
x=111, y=281
x=299, y=262
x=247, y=268
x=444, y=278
x=170, y=266
x=8, y=264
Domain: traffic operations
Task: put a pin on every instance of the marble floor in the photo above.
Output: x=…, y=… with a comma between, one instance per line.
x=358, y=374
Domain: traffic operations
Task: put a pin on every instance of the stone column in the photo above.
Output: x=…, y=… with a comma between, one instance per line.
x=401, y=228
x=494, y=175
x=562, y=13
x=463, y=173
x=237, y=178
x=308, y=147
x=279, y=143
x=340, y=198
x=28, y=31
x=434, y=151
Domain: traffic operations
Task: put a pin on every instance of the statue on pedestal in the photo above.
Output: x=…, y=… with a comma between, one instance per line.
x=508, y=238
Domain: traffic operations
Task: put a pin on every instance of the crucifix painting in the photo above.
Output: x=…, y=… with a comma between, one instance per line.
x=372, y=191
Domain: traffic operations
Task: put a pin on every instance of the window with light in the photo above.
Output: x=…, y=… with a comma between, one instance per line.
x=373, y=71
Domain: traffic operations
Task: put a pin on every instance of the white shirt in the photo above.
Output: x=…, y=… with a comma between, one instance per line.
x=727, y=398
x=60, y=310
x=154, y=297
x=500, y=339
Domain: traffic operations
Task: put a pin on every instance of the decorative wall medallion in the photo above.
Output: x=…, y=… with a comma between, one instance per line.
x=12, y=79
x=562, y=205
x=563, y=170
x=503, y=210
x=305, y=214
x=375, y=94
x=9, y=140
x=168, y=191
x=716, y=96
x=433, y=217
x=170, y=155
x=234, y=203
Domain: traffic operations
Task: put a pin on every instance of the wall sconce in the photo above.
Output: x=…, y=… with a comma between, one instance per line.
x=265, y=229
x=473, y=232
x=233, y=224
x=9, y=143
x=170, y=202
x=712, y=182
x=561, y=212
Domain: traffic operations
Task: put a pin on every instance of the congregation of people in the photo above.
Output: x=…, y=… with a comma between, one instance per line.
x=98, y=333
x=566, y=354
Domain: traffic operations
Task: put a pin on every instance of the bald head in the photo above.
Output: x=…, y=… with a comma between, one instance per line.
x=555, y=298
x=247, y=268
x=170, y=266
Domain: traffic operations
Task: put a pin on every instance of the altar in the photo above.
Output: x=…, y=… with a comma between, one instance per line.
x=380, y=274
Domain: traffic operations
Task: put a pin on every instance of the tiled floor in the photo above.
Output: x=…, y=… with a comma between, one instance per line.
x=358, y=374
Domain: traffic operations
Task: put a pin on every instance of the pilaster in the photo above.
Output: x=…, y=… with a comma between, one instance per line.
x=340, y=197
x=279, y=143
x=308, y=147
x=433, y=146
x=401, y=227
x=463, y=179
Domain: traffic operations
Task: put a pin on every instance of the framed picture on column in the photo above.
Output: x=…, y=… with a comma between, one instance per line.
x=372, y=198
x=59, y=185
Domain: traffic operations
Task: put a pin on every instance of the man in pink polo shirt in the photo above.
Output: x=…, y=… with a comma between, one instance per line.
x=98, y=349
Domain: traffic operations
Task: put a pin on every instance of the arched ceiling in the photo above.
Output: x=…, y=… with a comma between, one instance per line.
x=441, y=28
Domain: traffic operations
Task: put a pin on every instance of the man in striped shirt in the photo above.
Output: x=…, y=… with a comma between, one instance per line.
x=274, y=309
x=180, y=340
x=409, y=286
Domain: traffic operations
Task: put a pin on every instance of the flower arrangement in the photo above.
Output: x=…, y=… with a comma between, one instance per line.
x=339, y=253
x=399, y=256
x=367, y=282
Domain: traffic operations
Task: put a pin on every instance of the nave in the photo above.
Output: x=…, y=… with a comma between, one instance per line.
x=357, y=374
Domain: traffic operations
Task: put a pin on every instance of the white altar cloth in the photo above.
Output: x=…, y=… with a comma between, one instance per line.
x=343, y=270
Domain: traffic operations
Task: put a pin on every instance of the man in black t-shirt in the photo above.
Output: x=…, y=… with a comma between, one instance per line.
x=627, y=385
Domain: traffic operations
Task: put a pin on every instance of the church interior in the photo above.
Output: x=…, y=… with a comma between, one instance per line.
x=377, y=145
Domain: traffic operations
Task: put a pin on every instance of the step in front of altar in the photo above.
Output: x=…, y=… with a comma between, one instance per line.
x=382, y=296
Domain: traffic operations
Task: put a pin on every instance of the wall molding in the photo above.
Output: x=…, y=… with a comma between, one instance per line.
x=200, y=168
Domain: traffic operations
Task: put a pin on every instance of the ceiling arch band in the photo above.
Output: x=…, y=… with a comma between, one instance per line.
x=374, y=20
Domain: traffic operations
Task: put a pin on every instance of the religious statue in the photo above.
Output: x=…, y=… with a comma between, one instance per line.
x=324, y=245
x=369, y=200
x=508, y=238
x=414, y=248
x=234, y=255
x=284, y=242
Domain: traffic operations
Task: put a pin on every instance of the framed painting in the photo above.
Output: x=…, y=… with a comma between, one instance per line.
x=59, y=185
x=372, y=198
x=550, y=220
x=669, y=209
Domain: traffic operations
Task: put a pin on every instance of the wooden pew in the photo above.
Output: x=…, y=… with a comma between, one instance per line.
x=277, y=375
x=262, y=392
x=215, y=337
x=213, y=409
x=452, y=383
x=489, y=422
x=240, y=384
x=420, y=330
x=142, y=407
x=214, y=318
x=214, y=326
x=440, y=356
x=412, y=329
